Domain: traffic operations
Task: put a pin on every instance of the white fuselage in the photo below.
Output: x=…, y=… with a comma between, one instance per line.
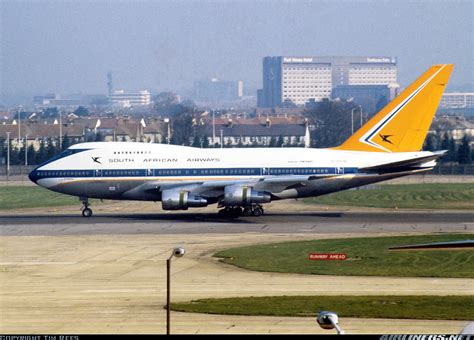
x=113, y=170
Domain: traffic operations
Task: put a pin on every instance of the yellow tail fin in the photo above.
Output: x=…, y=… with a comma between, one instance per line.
x=402, y=125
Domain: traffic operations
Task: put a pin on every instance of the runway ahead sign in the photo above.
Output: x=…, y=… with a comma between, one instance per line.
x=327, y=256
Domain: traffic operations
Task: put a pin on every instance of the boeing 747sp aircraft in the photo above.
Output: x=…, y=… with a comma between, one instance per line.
x=241, y=180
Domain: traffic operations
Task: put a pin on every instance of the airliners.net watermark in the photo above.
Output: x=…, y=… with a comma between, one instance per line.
x=426, y=337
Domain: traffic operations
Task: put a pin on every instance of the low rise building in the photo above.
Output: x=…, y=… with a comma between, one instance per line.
x=260, y=131
x=455, y=126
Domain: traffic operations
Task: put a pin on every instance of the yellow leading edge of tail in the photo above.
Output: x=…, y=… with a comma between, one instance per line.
x=402, y=125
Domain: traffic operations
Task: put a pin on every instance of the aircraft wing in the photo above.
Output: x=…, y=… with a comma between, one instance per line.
x=410, y=164
x=215, y=188
x=277, y=184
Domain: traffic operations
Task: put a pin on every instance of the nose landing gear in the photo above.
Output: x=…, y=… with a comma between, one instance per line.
x=86, y=211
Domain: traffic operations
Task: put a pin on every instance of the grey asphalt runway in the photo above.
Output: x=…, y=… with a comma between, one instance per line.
x=63, y=273
x=206, y=223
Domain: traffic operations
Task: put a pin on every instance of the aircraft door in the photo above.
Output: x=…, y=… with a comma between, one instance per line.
x=265, y=171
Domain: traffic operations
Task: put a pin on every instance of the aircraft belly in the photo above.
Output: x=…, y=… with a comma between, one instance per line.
x=106, y=189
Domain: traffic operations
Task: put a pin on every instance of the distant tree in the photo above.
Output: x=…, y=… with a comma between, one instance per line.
x=98, y=137
x=81, y=111
x=288, y=103
x=166, y=98
x=51, y=149
x=3, y=149
x=100, y=101
x=50, y=112
x=21, y=154
x=334, y=122
x=65, y=143
x=196, y=142
x=14, y=156
x=429, y=144
x=182, y=126
x=31, y=153
x=464, y=151
x=452, y=150
x=164, y=101
x=20, y=113
x=40, y=156
x=381, y=103
x=205, y=142
x=447, y=143
x=279, y=143
x=272, y=142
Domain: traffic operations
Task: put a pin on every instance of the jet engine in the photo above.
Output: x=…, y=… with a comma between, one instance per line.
x=180, y=200
x=235, y=195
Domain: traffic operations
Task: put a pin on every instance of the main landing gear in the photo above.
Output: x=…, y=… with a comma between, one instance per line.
x=86, y=211
x=234, y=212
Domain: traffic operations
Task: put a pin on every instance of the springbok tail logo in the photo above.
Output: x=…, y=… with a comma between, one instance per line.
x=402, y=125
x=385, y=138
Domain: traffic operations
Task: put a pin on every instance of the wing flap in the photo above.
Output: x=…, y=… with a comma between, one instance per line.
x=215, y=188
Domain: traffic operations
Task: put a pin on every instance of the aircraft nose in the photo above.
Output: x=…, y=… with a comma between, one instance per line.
x=33, y=176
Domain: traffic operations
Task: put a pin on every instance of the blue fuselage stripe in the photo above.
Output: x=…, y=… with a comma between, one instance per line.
x=111, y=173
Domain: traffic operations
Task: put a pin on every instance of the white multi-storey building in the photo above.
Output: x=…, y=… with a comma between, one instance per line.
x=128, y=99
x=372, y=75
x=300, y=79
x=303, y=81
x=455, y=100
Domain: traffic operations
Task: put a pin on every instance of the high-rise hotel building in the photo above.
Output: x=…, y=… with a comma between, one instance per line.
x=300, y=79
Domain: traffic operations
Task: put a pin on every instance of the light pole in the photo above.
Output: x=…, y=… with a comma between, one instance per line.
x=352, y=121
x=60, y=132
x=360, y=107
x=19, y=125
x=8, y=156
x=26, y=150
x=167, y=120
x=177, y=252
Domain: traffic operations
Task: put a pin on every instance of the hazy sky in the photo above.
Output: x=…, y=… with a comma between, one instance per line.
x=69, y=46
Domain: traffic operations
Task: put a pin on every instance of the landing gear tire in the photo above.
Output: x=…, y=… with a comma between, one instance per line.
x=236, y=211
x=247, y=212
x=258, y=211
x=87, y=212
x=230, y=212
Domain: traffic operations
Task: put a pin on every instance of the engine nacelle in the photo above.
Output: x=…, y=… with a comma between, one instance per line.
x=180, y=200
x=236, y=195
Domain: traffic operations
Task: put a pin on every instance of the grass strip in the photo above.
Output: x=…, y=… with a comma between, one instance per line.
x=412, y=196
x=392, y=307
x=33, y=197
x=366, y=256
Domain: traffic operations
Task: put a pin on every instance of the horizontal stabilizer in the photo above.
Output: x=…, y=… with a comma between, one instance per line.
x=405, y=165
